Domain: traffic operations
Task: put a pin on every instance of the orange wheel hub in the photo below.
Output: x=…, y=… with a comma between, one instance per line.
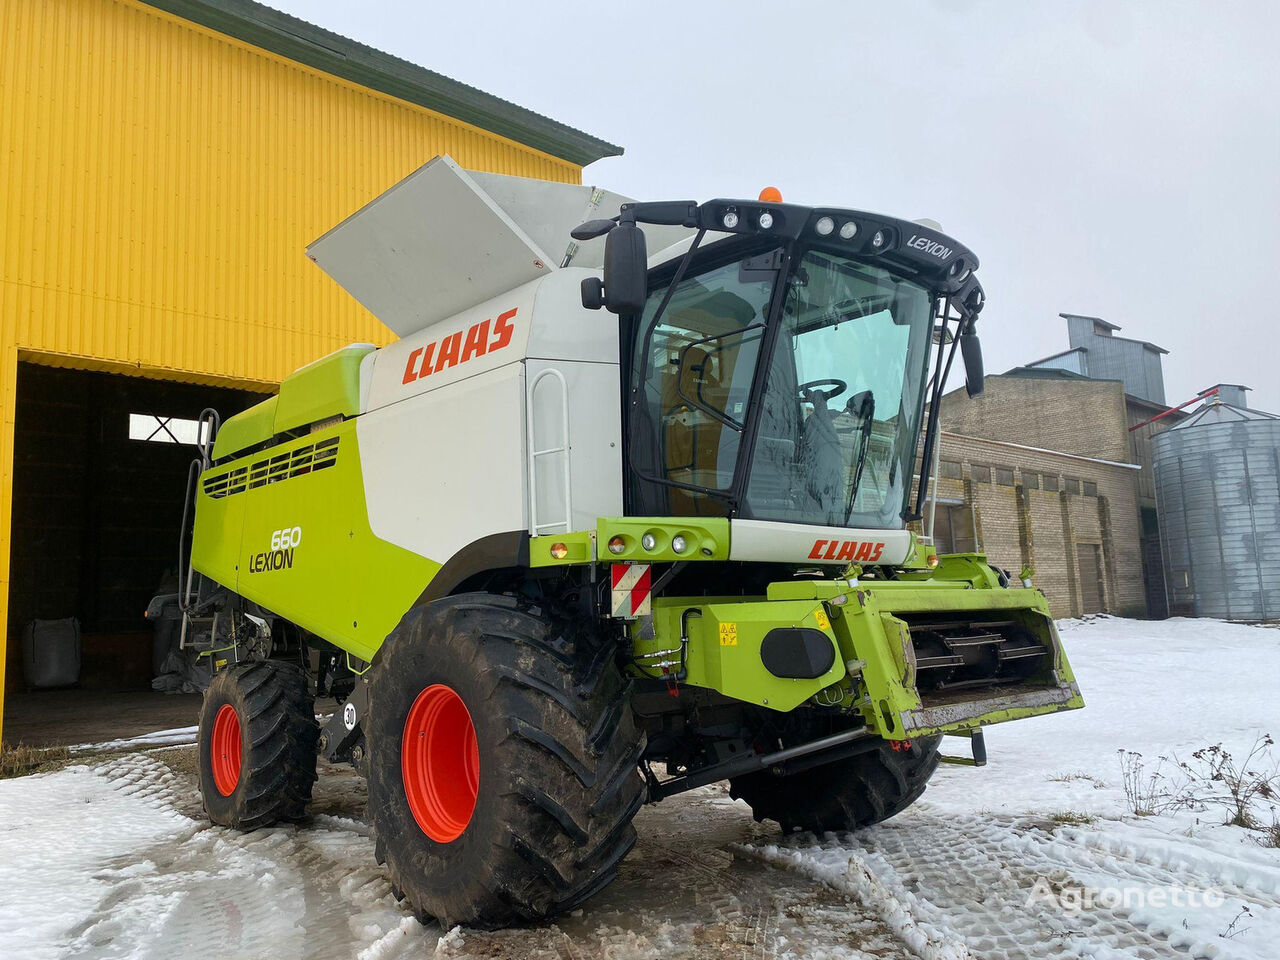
x=440, y=763
x=225, y=749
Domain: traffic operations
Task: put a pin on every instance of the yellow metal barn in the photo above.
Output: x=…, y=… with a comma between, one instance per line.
x=162, y=166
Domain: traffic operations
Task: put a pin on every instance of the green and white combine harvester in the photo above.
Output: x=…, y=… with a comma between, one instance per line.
x=554, y=564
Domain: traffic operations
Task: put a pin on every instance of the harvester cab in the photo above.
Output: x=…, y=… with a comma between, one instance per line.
x=554, y=564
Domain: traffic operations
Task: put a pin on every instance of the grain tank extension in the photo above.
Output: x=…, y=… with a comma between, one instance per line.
x=627, y=509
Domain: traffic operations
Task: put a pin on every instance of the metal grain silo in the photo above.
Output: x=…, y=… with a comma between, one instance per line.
x=1218, y=492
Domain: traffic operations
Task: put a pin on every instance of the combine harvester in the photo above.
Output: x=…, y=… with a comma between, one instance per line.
x=555, y=564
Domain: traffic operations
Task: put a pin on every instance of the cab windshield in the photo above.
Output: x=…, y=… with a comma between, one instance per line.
x=827, y=405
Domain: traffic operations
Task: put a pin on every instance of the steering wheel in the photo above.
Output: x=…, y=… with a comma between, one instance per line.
x=837, y=387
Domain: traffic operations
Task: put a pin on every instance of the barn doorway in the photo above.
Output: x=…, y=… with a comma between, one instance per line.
x=1092, y=595
x=100, y=469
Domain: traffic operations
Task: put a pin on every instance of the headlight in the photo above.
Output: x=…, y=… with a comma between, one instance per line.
x=766, y=220
x=877, y=239
x=848, y=229
x=824, y=226
x=678, y=544
x=649, y=541
x=730, y=219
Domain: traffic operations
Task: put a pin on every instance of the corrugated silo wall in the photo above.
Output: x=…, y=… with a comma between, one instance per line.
x=1218, y=494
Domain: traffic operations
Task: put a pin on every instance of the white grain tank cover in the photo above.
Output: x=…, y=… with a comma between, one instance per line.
x=443, y=240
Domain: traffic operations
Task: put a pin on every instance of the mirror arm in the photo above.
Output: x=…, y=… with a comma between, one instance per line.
x=938, y=383
x=670, y=213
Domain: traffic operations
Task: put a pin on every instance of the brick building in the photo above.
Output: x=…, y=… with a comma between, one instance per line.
x=1040, y=471
x=1072, y=519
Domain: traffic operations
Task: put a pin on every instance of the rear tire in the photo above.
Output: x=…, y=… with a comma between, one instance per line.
x=523, y=809
x=845, y=795
x=257, y=745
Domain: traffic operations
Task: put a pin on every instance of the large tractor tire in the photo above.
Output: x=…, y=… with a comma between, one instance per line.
x=502, y=762
x=845, y=795
x=257, y=745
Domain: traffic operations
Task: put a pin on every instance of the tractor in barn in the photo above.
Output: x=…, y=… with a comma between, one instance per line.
x=631, y=506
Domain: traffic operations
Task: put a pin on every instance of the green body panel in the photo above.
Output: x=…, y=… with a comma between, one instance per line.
x=579, y=547
x=338, y=580
x=874, y=670
x=724, y=646
x=707, y=538
x=246, y=429
x=330, y=387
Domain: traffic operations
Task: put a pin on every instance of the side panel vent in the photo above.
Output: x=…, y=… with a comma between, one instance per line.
x=283, y=466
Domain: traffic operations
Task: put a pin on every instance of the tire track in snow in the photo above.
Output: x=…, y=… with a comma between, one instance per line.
x=960, y=887
x=315, y=891
x=311, y=891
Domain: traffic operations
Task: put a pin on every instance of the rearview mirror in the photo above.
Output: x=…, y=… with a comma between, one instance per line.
x=971, y=351
x=626, y=269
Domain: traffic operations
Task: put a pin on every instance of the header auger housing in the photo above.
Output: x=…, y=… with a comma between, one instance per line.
x=534, y=551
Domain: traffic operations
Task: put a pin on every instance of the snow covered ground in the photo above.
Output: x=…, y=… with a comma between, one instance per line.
x=177, y=736
x=956, y=875
x=1035, y=855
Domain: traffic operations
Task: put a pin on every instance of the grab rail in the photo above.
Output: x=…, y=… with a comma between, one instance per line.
x=535, y=526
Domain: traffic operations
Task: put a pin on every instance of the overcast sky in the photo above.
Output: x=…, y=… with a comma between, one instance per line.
x=1117, y=159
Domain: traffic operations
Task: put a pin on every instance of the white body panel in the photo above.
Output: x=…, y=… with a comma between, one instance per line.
x=563, y=329
x=433, y=358
x=547, y=321
x=471, y=444
x=444, y=468
x=771, y=540
x=594, y=448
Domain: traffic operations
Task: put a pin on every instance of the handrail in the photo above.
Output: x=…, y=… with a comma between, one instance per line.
x=536, y=527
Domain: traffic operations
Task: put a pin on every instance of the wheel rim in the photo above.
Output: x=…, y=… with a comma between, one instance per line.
x=225, y=750
x=440, y=763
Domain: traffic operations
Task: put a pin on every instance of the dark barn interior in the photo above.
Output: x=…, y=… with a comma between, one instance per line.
x=100, y=468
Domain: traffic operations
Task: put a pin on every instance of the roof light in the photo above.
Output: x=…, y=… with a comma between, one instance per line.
x=770, y=195
x=766, y=220
x=848, y=229
x=730, y=219
x=824, y=226
x=877, y=239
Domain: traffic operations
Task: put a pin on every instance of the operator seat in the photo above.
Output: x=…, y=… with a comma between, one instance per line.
x=691, y=437
x=822, y=459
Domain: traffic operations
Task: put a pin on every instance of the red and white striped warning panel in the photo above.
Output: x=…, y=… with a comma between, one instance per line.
x=632, y=590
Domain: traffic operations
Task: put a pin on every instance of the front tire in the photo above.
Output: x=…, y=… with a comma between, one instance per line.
x=847, y=794
x=502, y=762
x=257, y=745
